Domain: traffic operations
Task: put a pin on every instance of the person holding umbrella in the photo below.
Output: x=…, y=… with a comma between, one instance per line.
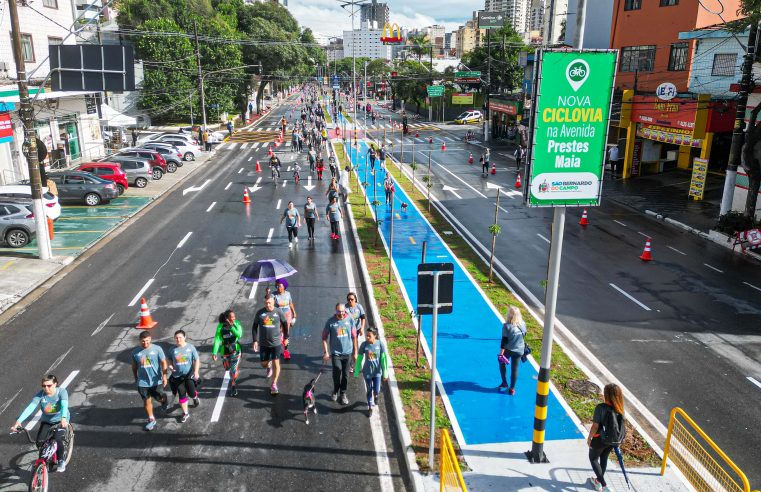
x=607, y=433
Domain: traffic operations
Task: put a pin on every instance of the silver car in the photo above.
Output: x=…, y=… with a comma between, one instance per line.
x=17, y=228
x=138, y=171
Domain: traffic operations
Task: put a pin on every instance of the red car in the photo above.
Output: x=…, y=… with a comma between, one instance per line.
x=111, y=171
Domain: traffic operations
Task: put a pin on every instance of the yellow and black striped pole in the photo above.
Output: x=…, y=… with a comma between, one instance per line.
x=536, y=454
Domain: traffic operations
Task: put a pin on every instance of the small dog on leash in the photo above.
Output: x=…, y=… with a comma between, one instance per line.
x=307, y=397
x=404, y=206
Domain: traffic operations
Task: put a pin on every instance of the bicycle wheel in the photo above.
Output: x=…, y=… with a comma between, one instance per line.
x=39, y=480
x=69, y=442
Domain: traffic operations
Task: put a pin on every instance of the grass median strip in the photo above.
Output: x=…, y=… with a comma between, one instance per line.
x=581, y=395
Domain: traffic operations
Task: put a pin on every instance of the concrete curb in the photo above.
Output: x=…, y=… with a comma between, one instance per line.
x=416, y=478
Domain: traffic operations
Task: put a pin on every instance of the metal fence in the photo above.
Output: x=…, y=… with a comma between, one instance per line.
x=701, y=461
x=450, y=474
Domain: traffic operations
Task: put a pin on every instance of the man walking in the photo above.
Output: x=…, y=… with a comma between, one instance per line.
x=134, y=137
x=149, y=369
x=613, y=159
x=269, y=325
x=339, y=343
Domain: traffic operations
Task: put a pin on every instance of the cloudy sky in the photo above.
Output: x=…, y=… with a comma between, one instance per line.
x=328, y=18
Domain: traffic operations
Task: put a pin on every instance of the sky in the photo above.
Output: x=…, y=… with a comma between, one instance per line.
x=329, y=19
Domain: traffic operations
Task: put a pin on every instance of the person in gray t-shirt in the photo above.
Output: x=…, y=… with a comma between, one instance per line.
x=269, y=324
x=339, y=343
x=292, y=220
x=334, y=214
x=311, y=216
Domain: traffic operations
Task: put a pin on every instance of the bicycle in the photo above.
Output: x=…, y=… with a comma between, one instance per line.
x=275, y=173
x=47, y=459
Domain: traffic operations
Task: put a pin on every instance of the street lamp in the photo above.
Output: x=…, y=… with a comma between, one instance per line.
x=351, y=7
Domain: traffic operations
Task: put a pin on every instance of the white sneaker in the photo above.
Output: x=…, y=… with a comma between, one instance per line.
x=290, y=245
x=296, y=239
x=61, y=467
x=593, y=481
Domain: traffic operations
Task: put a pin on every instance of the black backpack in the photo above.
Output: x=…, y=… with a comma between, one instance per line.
x=612, y=428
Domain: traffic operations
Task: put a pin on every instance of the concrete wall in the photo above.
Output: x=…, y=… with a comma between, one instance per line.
x=701, y=78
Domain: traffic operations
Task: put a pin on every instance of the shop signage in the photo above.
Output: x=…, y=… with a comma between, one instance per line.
x=6, y=128
x=676, y=113
x=511, y=109
x=698, y=182
x=674, y=136
x=392, y=34
x=637, y=157
x=467, y=77
x=465, y=98
x=91, y=103
x=491, y=20
x=435, y=90
x=666, y=91
x=7, y=107
x=570, y=123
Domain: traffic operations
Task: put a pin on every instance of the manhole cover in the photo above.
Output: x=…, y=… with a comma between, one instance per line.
x=583, y=387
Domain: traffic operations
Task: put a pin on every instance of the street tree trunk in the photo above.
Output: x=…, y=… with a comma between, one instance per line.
x=751, y=160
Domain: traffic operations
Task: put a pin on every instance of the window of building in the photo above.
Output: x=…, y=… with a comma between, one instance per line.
x=27, y=47
x=724, y=64
x=678, y=57
x=632, y=4
x=637, y=58
x=669, y=3
x=53, y=4
x=54, y=41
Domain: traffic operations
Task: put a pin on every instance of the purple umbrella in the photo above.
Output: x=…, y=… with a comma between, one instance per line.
x=267, y=271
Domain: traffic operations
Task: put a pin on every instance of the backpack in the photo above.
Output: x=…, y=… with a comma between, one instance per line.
x=612, y=428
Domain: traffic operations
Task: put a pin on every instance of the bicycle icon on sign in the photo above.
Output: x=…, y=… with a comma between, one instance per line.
x=578, y=72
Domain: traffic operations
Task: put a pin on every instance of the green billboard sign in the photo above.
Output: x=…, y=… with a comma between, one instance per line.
x=435, y=90
x=570, y=127
x=491, y=20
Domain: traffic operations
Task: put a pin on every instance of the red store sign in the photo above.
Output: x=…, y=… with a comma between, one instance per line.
x=510, y=109
x=676, y=113
x=6, y=128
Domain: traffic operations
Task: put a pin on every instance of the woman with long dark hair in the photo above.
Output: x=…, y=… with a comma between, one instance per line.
x=607, y=432
x=226, y=344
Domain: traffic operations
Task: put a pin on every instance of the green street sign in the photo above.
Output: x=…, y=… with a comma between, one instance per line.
x=469, y=77
x=435, y=90
x=491, y=20
x=571, y=117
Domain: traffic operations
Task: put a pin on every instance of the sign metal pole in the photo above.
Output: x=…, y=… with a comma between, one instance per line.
x=434, y=319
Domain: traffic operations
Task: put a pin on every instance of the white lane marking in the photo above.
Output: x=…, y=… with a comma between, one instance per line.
x=630, y=297
x=258, y=180
x=451, y=190
x=58, y=361
x=619, y=223
x=220, y=145
x=233, y=145
x=228, y=185
x=253, y=290
x=220, y=398
x=544, y=238
x=269, y=234
x=249, y=159
x=37, y=415
x=279, y=201
x=243, y=146
x=752, y=380
x=674, y=249
x=9, y=401
x=211, y=206
x=643, y=234
x=195, y=188
x=140, y=294
x=101, y=326
x=713, y=268
x=460, y=179
x=240, y=170
x=184, y=240
x=284, y=182
x=379, y=440
x=752, y=286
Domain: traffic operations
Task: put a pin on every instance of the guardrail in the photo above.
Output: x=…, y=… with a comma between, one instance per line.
x=450, y=476
x=707, y=469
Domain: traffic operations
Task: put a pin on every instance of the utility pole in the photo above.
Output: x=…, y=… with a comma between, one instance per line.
x=30, y=138
x=581, y=21
x=200, y=74
x=430, y=105
x=487, y=121
x=738, y=134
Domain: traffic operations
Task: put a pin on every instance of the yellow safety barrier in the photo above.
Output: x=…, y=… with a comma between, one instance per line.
x=708, y=470
x=450, y=474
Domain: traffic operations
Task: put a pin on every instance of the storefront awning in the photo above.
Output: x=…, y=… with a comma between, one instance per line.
x=112, y=117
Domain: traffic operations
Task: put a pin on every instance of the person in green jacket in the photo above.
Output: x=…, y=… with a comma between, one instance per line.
x=226, y=344
x=375, y=357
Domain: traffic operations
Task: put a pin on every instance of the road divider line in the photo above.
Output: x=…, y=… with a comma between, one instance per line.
x=9, y=401
x=102, y=325
x=713, y=268
x=220, y=398
x=58, y=361
x=284, y=182
x=279, y=202
x=184, y=240
x=630, y=297
x=543, y=238
x=412, y=240
x=269, y=234
x=752, y=286
x=250, y=158
x=228, y=185
x=211, y=206
x=620, y=223
x=253, y=290
x=36, y=418
x=258, y=180
x=140, y=294
x=643, y=234
x=240, y=170
x=674, y=249
x=752, y=380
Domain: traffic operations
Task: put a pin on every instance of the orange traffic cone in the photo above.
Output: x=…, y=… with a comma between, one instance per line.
x=443, y=146
x=50, y=229
x=417, y=134
x=470, y=158
x=646, y=256
x=494, y=168
x=258, y=167
x=518, y=181
x=430, y=140
x=269, y=151
x=584, y=221
x=146, y=321
x=246, y=198
x=338, y=132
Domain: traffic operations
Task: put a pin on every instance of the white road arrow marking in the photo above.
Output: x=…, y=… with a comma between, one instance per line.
x=309, y=186
x=195, y=188
x=452, y=190
x=491, y=186
x=253, y=189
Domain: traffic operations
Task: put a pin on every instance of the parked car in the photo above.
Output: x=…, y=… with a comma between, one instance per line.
x=150, y=155
x=188, y=150
x=17, y=228
x=139, y=171
x=159, y=137
x=84, y=187
x=110, y=171
x=49, y=200
x=169, y=152
x=471, y=116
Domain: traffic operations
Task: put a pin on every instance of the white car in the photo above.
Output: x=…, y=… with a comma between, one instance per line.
x=189, y=151
x=49, y=200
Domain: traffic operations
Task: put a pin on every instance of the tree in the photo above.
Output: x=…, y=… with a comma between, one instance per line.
x=506, y=73
x=751, y=152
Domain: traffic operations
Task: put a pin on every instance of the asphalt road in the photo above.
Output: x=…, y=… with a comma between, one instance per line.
x=83, y=329
x=681, y=330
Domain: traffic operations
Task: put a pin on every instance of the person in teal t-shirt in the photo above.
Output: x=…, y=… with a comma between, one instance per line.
x=375, y=357
x=149, y=369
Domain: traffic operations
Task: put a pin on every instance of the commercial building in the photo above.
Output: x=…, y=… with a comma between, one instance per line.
x=335, y=50
x=555, y=15
x=469, y=36
x=366, y=42
x=516, y=11
x=374, y=12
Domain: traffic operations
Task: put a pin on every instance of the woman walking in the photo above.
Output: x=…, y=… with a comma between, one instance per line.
x=184, y=365
x=511, y=348
x=388, y=187
x=333, y=215
x=373, y=353
x=226, y=343
x=284, y=302
x=608, y=431
x=311, y=216
x=292, y=220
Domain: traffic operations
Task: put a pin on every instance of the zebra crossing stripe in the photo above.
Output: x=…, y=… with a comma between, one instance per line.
x=243, y=146
x=255, y=146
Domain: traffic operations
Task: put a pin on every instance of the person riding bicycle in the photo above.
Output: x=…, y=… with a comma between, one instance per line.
x=275, y=165
x=53, y=402
x=296, y=169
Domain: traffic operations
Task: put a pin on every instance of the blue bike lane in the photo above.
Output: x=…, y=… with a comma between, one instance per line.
x=468, y=338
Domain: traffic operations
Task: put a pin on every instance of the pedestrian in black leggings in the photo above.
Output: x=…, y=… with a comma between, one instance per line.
x=293, y=222
x=333, y=215
x=511, y=348
x=339, y=344
x=311, y=216
x=599, y=441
